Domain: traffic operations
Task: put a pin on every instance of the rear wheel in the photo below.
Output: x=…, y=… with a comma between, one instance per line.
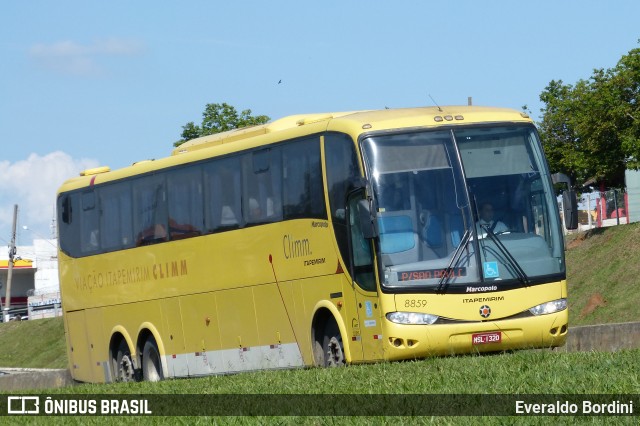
x=151, y=362
x=332, y=346
x=318, y=352
x=123, y=364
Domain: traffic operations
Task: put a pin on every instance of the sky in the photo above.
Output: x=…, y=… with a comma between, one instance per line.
x=87, y=84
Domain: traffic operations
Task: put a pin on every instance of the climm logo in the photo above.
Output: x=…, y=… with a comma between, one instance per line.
x=295, y=248
x=169, y=269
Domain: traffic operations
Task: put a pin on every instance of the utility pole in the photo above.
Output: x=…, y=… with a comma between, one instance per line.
x=12, y=253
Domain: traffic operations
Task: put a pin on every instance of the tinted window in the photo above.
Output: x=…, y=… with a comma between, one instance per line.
x=223, y=194
x=262, y=181
x=186, y=212
x=89, y=235
x=302, y=180
x=254, y=187
x=68, y=221
x=149, y=210
x=342, y=166
x=115, y=218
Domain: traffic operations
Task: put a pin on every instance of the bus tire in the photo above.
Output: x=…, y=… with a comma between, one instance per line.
x=318, y=352
x=123, y=369
x=151, y=362
x=332, y=346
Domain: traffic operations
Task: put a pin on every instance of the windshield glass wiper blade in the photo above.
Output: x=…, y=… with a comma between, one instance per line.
x=522, y=276
x=444, y=279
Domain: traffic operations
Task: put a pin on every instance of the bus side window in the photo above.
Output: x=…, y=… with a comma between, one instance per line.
x=223, y=210
x=69, y=223
x=302, y=180
x=89, y=223
x=184, y=188
x=115, y=217
x=262, y=179
x=150, y=210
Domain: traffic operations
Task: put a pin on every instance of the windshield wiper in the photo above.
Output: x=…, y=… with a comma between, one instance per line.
x=444, y=279
x=522, y=276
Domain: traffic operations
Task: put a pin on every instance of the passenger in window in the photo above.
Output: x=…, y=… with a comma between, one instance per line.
x=486, y=221
x=182, y=230
x=270, y=210
x=255, y=213
x=93, y=239
x=227, y=217
x=153, y=234
x=259, y=214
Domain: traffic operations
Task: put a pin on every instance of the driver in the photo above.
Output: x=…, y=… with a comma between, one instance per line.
x=486, y=220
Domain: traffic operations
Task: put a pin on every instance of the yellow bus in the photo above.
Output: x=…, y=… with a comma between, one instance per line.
x=325, y=239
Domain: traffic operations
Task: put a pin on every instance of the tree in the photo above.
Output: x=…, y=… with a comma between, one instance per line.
x=218, y=118
x=591, y=130
x=627, y=83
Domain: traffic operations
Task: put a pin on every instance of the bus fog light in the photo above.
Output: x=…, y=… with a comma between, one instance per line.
x=411, y=318
x=549, y=307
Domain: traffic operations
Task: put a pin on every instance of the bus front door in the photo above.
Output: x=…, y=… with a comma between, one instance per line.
x=364, y=284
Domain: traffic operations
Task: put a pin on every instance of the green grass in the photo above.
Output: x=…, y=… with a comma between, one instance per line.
x=604, y=261
x=33, y=344
x=520, y=372
x=541, y=372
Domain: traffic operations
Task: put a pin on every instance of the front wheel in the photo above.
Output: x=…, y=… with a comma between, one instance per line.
x=332, y=346
x=151, y=362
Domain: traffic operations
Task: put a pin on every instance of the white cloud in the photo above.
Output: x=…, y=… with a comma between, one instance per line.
x=32, y=185
x=70, y=57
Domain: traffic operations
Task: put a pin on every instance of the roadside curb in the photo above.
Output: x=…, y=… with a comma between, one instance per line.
x=34, y=378
x=603, y=337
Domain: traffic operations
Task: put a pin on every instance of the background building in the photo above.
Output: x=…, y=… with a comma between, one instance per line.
x=35, y=289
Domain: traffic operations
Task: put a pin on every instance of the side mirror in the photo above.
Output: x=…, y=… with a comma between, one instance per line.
x=368, y=224
x=570, y=209
x=569, y=201
x=560, y=181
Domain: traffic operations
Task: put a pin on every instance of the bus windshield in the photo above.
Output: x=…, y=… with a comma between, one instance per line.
x=464, y=209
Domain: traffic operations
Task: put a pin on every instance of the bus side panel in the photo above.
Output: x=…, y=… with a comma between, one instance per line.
x=326, y=290
x=131, y=317
x=305, y=294
x=238, y=330
x=201, y=336
x=277, y=340
x=174, y=338
x=79, y=356
x=98, y=346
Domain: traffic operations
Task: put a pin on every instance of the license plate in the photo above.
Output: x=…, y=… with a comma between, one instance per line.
x=484, y=338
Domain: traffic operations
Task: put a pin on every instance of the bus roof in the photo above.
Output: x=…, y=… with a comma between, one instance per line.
x=350, y=122
x=377, y=119
x=286, y=123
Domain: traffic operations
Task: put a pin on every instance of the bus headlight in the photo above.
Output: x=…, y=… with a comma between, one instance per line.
x=411, y=318
x=549, y=307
